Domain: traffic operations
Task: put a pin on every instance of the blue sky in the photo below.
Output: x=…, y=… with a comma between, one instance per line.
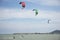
x=13, y=19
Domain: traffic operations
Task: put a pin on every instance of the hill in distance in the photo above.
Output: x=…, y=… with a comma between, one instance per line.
x=55, y=32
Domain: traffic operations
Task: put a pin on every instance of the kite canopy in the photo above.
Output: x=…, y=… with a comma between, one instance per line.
x=20, y=2
x=36, y=11
x=23, y=4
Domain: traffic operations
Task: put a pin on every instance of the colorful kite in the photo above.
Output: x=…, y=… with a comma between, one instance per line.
x=23, y=4
x=36, y=11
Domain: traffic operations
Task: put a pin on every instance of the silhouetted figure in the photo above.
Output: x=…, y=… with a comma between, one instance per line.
x=22, y=36
x=49, y=21
x=13, y=37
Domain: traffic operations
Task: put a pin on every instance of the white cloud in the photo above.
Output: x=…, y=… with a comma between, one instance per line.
x=15, y=13
x=43, y=14
x=27, y=27
x=51, y=2
x=23, y=26
x=46, y=2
